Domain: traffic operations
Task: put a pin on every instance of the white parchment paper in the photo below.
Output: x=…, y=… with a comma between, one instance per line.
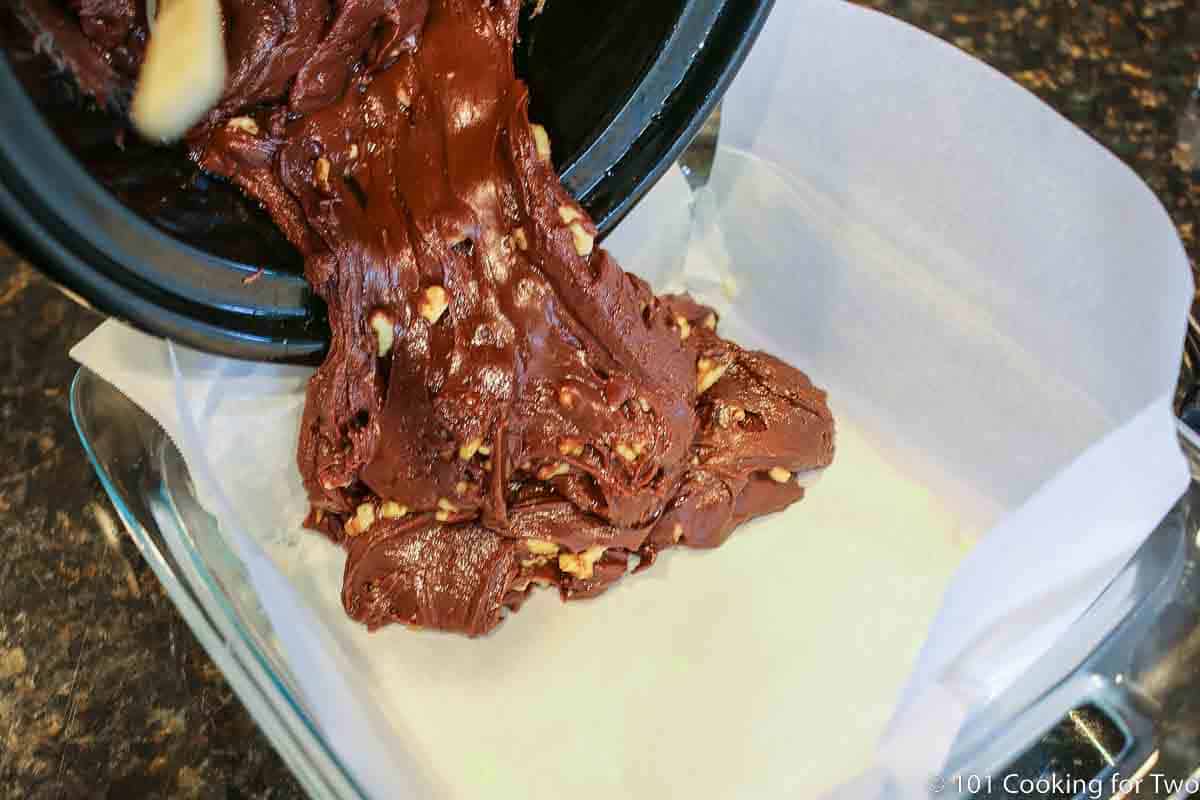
x=996, y=305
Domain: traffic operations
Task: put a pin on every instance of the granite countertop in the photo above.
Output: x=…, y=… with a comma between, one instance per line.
x=104, y=692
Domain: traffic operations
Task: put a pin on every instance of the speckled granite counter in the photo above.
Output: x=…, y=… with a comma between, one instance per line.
x=1126, y=71
x=103, y=690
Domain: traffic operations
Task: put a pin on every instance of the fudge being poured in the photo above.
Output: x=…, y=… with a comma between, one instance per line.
x=501, y=407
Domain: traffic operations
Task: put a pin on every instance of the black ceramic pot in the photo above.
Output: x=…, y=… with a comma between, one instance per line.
x=142, y=235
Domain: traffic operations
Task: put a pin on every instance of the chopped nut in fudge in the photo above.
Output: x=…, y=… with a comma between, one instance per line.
x=501, y=407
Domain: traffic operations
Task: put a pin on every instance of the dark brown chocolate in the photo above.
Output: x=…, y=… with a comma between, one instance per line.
x=501, y=406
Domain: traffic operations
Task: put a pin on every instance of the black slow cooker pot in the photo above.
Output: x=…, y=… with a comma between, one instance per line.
x=141, y=234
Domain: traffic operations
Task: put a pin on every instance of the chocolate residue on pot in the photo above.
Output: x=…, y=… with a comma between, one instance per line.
x=501, y=406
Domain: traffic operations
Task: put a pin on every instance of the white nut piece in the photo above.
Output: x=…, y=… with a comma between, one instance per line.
x=434, y=303
x=321, y=172
x=676, y=533
x=644, y=404
x=541, y=547
x=585, y=242
x=468, y=450
x=779, y=474
x=566, y=397
x=461, y=488
x=244, y=124
x=708, y=372
x=571, y=447
x=393, y=510
x=520, y=239
x=629, y=452
x=364, y=518
x=710, y=322
x=541, y=141
x=685, y=330
x=581, y=565
x=353, y=152
x=445, y=509
x=385, y=331
x=552, y=471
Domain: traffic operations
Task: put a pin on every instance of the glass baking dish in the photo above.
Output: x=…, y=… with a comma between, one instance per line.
x=1126, y=659
x=148, y=483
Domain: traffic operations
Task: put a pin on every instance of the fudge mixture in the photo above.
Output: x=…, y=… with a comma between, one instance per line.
x=501, y=407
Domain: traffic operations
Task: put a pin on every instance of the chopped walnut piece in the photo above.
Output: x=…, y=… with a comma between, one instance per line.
x=708, y=372
x=676, y=533
x=433, y=304
x=710, y=322
x=685, y=330
x=541, y=141
x=541, y=547
x=626, y=452
x=321, y=172
x=445, y=509
x=244, y=124
x=520, y=239
x=470, y=448
x=572, y=217
x=393, y=510
x=779, y=474
x=552, y=471
x=585, y=242
x=571, y=447
x=385, y=331
x=581, y=565
x=364, y=518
